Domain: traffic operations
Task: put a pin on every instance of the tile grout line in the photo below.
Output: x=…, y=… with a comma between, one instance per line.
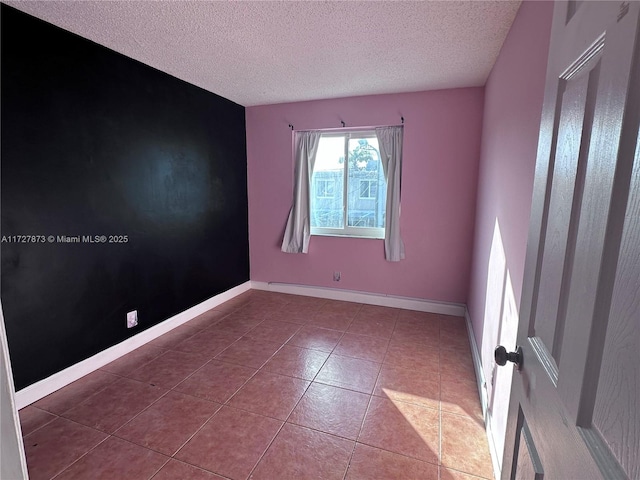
x=171, y=389
x=108, y=435
x=226, y=403
x=84, y=454
x=285, y=421
x=222, y=405
x=261, y=368
x=289, y=415
x=161, y=467
x=366, y=413
x=43, y=425
x=111, y=435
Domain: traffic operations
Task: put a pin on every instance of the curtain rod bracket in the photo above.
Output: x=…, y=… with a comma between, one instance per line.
x=402, y=120
x=343, y=124
x=291, y=126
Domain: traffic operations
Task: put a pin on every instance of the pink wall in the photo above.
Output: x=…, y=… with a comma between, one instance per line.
x=513, y=105
x=441, y=150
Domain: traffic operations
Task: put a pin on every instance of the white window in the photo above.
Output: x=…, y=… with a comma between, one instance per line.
x=368, y=188
x=350, y=193
x=325, y=188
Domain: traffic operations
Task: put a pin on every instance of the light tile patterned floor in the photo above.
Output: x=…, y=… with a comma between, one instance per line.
x=273, y=386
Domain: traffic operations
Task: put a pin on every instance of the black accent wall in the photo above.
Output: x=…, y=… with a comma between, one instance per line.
x=97, y=144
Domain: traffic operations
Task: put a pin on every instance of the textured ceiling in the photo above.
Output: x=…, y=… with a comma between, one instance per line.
x=256, y=53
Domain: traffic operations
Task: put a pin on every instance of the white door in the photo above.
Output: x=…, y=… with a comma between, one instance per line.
x=574, y=410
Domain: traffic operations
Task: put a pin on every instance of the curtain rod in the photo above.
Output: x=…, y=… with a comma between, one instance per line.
x=343, y=127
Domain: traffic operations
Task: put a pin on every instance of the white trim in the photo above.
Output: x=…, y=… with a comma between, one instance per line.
x=373, y=233
x=482, y=391
x=44, y=387
x=14, y=465
x=477, y=364
x=495, y=459
x=420, y=305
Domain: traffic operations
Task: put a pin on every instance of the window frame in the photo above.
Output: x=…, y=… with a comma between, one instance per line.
x=375, y=233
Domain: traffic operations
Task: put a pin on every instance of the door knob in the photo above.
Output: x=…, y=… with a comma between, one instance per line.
x=502, y=356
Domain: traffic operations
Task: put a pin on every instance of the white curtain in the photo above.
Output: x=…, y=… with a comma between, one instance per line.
x=390, y=143
x=298, y=230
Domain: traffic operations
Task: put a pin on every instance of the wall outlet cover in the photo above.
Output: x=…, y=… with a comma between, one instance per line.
x=336, y=276
x=132, y=319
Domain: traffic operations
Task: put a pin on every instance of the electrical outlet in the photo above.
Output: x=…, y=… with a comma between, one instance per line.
x=336, y=276
x=132, y=319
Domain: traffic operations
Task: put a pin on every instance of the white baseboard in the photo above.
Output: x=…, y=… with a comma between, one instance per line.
x=379, y=299
x=44, y=387
x=477, y=364
x=497, y=470
x=482, y=391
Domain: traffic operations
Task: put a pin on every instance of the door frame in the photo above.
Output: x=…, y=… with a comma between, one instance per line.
x=13, y=461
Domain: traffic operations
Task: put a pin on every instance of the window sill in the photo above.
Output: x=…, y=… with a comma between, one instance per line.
x=348, y=235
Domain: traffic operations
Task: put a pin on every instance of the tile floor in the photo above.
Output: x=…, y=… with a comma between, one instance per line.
x=273, y=386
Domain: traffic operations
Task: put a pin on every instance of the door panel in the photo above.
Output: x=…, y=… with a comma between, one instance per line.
x=573, y=412
x=574, y=128
x=528, y=466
